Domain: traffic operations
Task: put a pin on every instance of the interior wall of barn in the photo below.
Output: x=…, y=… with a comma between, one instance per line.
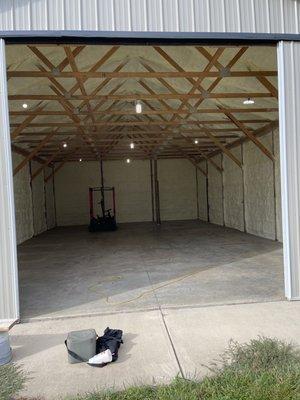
x=248, y=198
x=132, y=182
x=34, y=200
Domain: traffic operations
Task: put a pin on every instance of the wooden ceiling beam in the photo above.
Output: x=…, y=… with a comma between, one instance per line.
x=250, y=135
x=153, y=112
x=259, y=132
x=138, y=74
x=79, y=80
x=56, y=169
x=142, y=96
x=16, y=132
x=228, y=66
x=239, y=124
x=60, y=88
x=97, y=65
x=24, y=153
x=225, y=150
x=33, y=153
x=170, y=134
x=45, y=164
x=190, y=159
x=139, y=123
x=262, y=79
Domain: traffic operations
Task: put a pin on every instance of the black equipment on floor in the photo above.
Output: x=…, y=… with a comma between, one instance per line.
x=106, y=222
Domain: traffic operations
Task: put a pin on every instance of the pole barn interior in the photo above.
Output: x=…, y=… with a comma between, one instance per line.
x=197, y=205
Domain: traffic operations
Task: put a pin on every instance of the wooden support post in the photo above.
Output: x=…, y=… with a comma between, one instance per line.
x=156, y=188
x=243, y=176
x=152, y=189
x=60, y=165
x=207, y=188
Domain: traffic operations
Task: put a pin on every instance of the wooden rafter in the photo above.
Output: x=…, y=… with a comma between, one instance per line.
x=138, y=123
x=141, y=96
x=165, y=111
x=217, y=142
x=33, y=152
x=171, y=134
x=104, y=119
x=138, y=74
x=249, y=134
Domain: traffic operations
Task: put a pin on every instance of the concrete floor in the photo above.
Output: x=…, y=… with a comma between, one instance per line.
x=70, y=272
x=155, y=347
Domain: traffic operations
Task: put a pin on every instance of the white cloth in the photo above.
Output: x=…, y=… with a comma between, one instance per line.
x=102, y=358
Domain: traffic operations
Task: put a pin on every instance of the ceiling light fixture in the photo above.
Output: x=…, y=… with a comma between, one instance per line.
x=25, y=105
x=80, y=159
x=196, y=141
x=132, y=145
x=128, y=160
x=138, y=107
x=65, y=145
x=248, y=101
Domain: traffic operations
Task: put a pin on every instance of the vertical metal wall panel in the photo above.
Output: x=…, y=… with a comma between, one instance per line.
x=105, y=15
x=232, y=15
x=289, y=15
x=249, y=16
x=276, y=15
x=170, y=15
x=89, y=13
x=289, y=120
x=202, y=16
x=7, y=15
x=154, y=15
x=122, y=15
x=55, y=8
x=39, y=15
x=138, y=15
x=73, y=15
x=22, y=16
x=9, y=302
x=186, y=15
x=261, y=15
x=217, y=16
x=246, y=10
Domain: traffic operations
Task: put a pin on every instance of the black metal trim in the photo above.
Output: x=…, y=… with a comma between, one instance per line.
x=143, y=38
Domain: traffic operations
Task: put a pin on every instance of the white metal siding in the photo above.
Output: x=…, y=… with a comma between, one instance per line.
x=249, y=16
x=289, y=119
x=9, y=303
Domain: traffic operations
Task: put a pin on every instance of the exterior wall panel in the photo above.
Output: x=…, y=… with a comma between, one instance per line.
x=9, y=298
x=289, y=131
x=248, y=16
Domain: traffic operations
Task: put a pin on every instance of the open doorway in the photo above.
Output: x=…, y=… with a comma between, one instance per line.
x=202, y=157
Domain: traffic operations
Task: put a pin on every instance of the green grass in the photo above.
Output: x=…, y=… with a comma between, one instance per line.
x=264, y=369
x=12, y=380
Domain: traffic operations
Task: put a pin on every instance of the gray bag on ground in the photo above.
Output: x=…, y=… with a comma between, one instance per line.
x=81, y=345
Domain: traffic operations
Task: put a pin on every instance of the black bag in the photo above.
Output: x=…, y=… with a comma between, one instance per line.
x=112, y=340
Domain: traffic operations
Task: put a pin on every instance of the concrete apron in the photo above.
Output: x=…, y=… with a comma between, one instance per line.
x=155, y=347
